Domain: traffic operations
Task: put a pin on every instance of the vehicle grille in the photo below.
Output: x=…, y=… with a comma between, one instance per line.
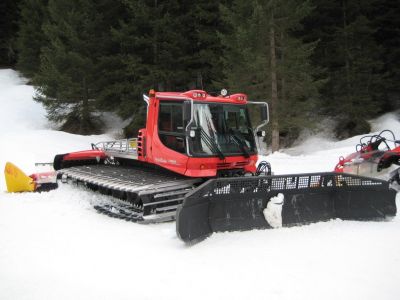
x=239, y=164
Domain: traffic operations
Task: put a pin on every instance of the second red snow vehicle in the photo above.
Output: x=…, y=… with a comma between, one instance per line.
x=196, y=162
x=376, y=155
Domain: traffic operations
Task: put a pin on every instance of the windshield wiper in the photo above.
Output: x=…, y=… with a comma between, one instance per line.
x=211, y=143
x=242, y=145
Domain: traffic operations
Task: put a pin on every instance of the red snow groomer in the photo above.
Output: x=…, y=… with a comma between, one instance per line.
x=376, y=156
x=196, y=162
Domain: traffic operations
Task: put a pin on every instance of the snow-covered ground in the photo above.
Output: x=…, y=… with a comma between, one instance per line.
x=55, y=246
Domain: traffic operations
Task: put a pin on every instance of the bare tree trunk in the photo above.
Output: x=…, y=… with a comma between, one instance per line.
x=282, y=94
x=85, y=113
x=199, y=84
x=274, y=88
x=346, y=50
x=157, y=84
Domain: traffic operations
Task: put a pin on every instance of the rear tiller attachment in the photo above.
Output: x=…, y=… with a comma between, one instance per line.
x=244, y=203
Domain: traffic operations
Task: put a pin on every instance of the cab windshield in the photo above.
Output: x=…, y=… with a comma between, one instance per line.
x=221, y=129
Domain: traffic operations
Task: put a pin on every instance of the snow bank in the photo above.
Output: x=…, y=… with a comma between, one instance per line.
x=389, y=121
x=320, y=152
x=309, y=142
x=24, y=130
x=55, y=246
x=18, y=111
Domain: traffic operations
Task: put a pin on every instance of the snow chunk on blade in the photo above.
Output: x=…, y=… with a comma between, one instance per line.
x=273, y=211
x=245, y=203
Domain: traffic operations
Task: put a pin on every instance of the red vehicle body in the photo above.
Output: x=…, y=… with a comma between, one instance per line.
x=171, y=129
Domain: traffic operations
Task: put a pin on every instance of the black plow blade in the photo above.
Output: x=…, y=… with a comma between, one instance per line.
x=245, y=203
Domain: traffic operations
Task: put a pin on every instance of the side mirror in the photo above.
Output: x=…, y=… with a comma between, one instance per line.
x=264, y=113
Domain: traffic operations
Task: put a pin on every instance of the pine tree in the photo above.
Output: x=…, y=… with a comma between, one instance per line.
x=137, y=65
x=385, y=17
x=31, y=38
x=69, y=70
x=267, y=60
x=165, y=45
x=8, y=32
x=201, y=44
x=351, y=58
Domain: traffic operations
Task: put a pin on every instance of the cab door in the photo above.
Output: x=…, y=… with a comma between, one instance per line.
x=170, y=126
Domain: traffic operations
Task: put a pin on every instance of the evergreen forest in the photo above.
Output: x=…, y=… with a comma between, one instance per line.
x=309, y=59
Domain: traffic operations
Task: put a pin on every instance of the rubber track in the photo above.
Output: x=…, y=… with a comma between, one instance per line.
x=137, y=187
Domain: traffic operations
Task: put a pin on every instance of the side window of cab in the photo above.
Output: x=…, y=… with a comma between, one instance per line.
x=170, y=125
